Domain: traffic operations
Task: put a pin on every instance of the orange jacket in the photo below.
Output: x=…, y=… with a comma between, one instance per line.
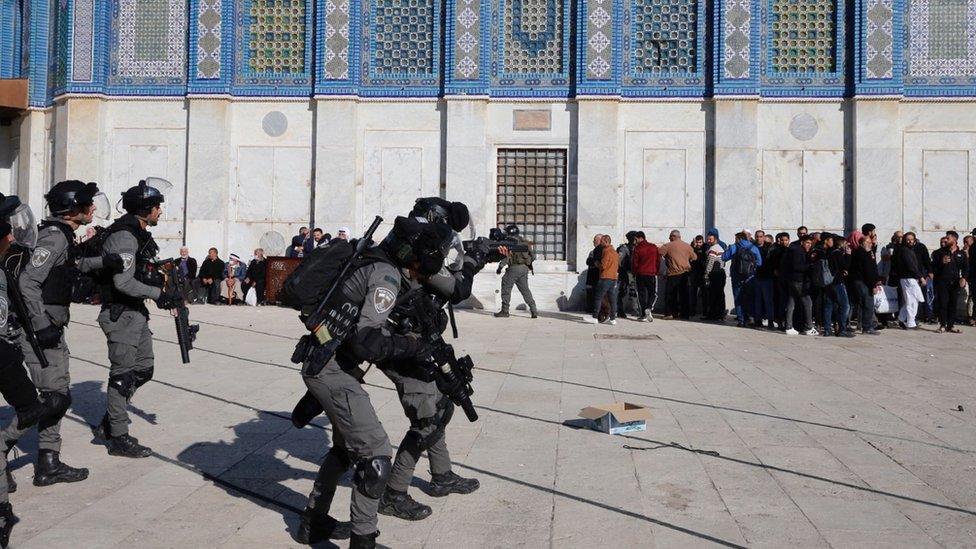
x=609, y=263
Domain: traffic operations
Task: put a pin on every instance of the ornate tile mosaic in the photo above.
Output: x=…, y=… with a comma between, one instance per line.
x=82, y=44
x=467, y=43
x=533, y=37
x=276, y=32
x=736, y=33
x=403, y=37
x=942, y=38
x=337, y=39
x=61, y=31
x=803, y=36
x=666, y=33
x=208, y=39
x=599, y=48
x=878, y=51
x=151, y=38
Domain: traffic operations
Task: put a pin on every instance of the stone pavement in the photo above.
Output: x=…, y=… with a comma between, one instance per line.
x=756, y=439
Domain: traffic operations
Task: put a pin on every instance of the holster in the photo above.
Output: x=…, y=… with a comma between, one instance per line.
x=307, y=409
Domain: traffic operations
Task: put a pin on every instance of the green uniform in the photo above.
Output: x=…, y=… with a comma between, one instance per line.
x=517, y=274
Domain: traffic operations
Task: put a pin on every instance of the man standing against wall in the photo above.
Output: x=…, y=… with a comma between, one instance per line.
x=644, y=263
x=678, y=255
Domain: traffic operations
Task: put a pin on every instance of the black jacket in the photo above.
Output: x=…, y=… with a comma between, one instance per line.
x=767, y=269
x=839, y=264
x=863, y=267
x=949, y=266
x=794, y=266
x=191, y=267
x=905, y=262
x=212, y=268
x=256, y=270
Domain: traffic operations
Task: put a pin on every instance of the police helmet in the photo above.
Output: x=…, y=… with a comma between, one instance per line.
x=512, y=230
x=66, y=196
x=17, y=218
x=419, y=245
x=142, y=198
x=434, y=209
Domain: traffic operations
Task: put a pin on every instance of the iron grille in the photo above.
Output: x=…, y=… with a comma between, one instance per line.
x=532, y=195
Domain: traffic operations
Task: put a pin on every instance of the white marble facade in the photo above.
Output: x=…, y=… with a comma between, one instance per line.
x=246, y=168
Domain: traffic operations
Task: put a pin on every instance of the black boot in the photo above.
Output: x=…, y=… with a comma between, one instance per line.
x=535, y=314
x=363, y=541
x=11, y=482
x=127, y=446
x=451, y=483
x=401, y=505
x=50, y=470
x=7, y=521
x=102, y=432
x=314, y=528
x=502, y=314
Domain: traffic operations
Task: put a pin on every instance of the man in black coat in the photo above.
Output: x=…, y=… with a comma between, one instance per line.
x=794, y=272
x=255, y=276
x=950, y=268
x=210, y=275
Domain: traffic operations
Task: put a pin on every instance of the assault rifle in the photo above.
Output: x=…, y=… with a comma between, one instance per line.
x=496, y=239
x=418, y=312
x=186, y=333
x=12, y=269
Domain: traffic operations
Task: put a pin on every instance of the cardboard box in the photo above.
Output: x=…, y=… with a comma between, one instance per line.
x=617, y=418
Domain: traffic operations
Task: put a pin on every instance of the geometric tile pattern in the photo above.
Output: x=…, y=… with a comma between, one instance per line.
x=803, y=36
x=533, y=42
x=83, y=44
x=599, y=29
x=276, y=29
x=879, y=49
x=666, y=36
x=208, y=41
x=403, y=37
x=60, y=30
x=736, y=32
x=152, y=35
x=467, y=44
x=337, y=39
x=942, y=38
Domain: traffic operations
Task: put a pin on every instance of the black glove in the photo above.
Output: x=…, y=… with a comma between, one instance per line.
x=422, y=349
x=169, y=300
x=50, y=337
x=113, y=263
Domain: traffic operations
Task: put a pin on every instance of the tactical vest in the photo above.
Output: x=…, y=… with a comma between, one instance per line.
x=145, y=271
x=57, y=287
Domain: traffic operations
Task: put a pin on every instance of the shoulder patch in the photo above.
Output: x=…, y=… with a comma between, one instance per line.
x=127, y=261
x=392, y=280
x=383, y=299
x=40, y=256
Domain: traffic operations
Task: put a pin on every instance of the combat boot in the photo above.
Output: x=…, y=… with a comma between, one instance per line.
x=50, y=470
x=102, y=432
x=7, y=521
x=363, y=541
x=401, y=505
x=450, y=483
x=127, y=446
x=314, y=528
x=502, y=314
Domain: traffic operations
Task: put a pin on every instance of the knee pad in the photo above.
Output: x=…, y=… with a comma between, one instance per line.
x=57, y=403
x=372, y=475
x=125, y=384
x=142, y=377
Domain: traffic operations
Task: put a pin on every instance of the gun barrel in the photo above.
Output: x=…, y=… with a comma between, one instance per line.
x=182, y=337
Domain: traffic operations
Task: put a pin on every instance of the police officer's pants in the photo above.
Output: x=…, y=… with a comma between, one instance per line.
x=130, y=352
x=419, y=400
x=53, y=379
x=517, y=275
x=357, y=435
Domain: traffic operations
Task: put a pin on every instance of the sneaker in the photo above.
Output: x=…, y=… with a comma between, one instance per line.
x=941, y=330
x=811, y=332
x=451, y=483
x=792, y=332
x=954, y=331
x=871, y=332
x=127, y=446
x=402, y=505
x=612, y=322
x=846, y=333
x=648, y=316
x=826, y=334
x=501, y=314
x=590, y=320
x=50, y=470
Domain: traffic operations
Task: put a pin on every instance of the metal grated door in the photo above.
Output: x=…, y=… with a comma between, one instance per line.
x=532, y=195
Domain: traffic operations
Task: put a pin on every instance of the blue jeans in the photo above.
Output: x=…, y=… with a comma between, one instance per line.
x=835, y=300
x=763, y=302
x=742, y=295
x=603, y=287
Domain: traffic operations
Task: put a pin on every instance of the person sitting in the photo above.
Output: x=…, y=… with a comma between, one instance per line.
x=255, y=275
x=297, y=247
x=211, y=272
x=230, y=286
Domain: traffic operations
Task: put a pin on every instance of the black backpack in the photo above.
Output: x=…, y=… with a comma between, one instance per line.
x=745, y=262
x=307, y=285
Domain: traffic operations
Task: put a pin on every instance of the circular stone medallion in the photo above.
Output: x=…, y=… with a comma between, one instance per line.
x=275, y=123
x=804, y=127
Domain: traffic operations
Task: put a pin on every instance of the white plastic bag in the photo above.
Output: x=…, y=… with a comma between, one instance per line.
x=886, y=301
x=251, y=297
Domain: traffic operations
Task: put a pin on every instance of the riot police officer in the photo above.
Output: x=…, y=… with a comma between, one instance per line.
x=124, y=318
x=411, y=250
x=16, y=223
x=517, y=274
x=427, y=409
x=46, y=284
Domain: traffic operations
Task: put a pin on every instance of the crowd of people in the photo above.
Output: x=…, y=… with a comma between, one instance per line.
x=818, y=283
